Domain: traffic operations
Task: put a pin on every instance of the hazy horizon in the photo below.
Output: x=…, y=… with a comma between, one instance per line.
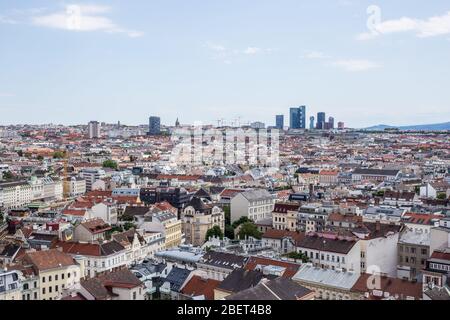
x=223, y=60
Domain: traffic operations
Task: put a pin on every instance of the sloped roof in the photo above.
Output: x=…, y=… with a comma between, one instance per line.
x=327, y=277
x=324, y=244
x=240, y=279
x=394, y=286
x=199, y=286
x=49, y=259
x=277, y=289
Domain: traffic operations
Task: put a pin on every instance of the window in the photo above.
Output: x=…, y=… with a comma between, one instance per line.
x=56, y=277
x=56, y=288
x=50, y=289
x=49, y=278
x=62, y=276
x=134, y=295
x=35, y=295
x=43, y=279
x=43, y=290
x=424, y=251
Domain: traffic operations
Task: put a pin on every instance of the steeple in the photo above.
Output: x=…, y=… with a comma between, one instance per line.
x=177, y=123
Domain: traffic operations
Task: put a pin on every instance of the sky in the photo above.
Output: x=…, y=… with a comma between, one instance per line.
x=362, y=62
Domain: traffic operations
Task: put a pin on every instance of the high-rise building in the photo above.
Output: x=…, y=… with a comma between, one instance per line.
x=94, y=130
x=341, y=125
x=330, y=123
x=320, y=121
x=298, y=118
x=311, y=122
x=154, y=126
x=279, y=122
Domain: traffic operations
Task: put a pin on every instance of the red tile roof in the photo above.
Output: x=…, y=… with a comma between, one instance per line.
x=49, y=259
x=441, y=255
x=420, y=218
x=285, y=207
x=393, y=286
x=198, y=286
x=70, y=212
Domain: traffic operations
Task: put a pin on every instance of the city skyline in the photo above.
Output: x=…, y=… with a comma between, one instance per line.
x=125, y=61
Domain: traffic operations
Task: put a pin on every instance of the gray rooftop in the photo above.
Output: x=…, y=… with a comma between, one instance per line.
x=328, y=277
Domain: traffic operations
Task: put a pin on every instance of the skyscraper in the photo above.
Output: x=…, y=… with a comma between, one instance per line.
x=330, y=123
x=311, y=122
x=94, y=130
x=279, y=121
x=298, y=118
x=154, y=127
x=321, y=121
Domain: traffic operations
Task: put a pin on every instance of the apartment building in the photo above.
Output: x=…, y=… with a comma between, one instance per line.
x=74, y=187
x=98, y=258
x=91, y=175
x=10, y=287
x=255, y=204
x=331, y=251
x=168, y=224
x=379, y=175
x=19, y=193
x=56, y=270
x=92, y=230
x=285, y=216
x=198, y=217
x=413, y=252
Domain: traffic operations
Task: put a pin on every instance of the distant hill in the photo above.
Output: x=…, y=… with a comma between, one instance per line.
x=423, y=127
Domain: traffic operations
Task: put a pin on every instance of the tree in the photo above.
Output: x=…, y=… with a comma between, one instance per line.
x=20, y=153
x=229, y=232
x=214, y=232
x=110, y=164
x=40, y=158
x=59, y=154
x=249, y=229
x=7, y=175
x=129, y=225
x=441, y=196
x=241, y=220
x=227, y=212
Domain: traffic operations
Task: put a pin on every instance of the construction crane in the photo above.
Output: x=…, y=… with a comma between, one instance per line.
x=67, y=156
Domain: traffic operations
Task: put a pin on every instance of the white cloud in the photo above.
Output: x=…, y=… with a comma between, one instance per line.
x=252, y=50
x=227, y=55
x=355, y=65
x=431, y=27
x=6, y=95
x=315, y=55
x=73, y=17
